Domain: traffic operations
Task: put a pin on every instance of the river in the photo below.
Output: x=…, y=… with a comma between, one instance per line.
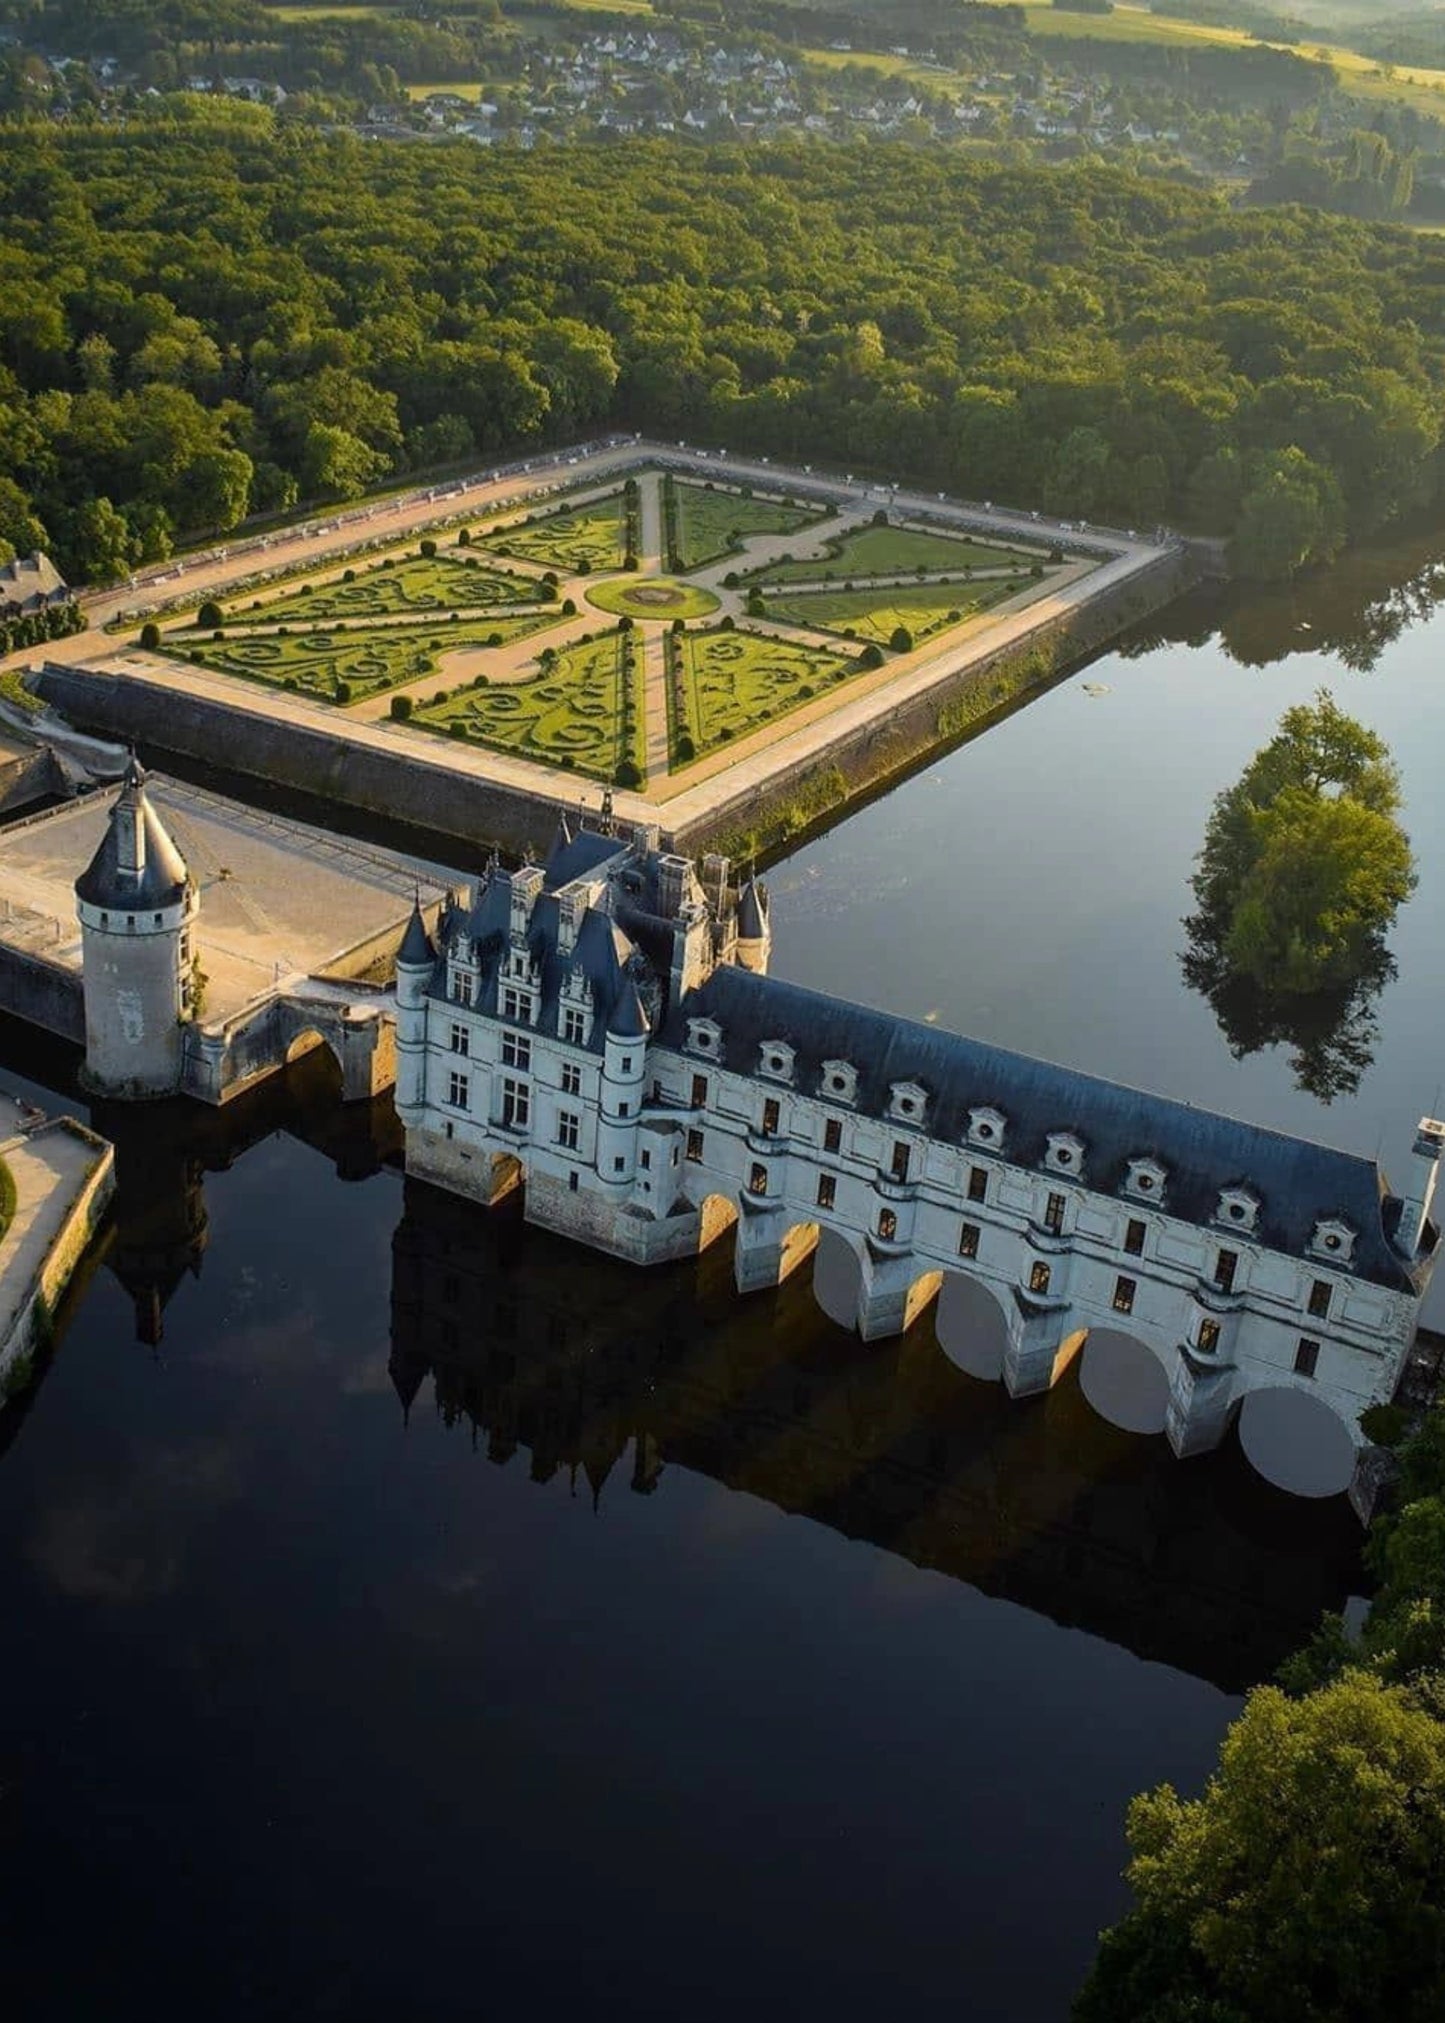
x=405, y=1614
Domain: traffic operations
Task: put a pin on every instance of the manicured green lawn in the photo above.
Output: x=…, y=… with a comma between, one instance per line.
x=654, y=597
x=921, y=609
x=366, y=661
x=582, y=710
x=724, y=685
x=409, y=586
x=575, y=538
x=711, y=524
x=886, y=551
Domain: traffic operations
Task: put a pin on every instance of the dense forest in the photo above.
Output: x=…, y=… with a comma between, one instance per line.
x=205, y=318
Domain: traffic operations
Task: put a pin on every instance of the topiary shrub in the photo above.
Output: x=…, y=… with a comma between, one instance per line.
x=731, y=580
x=679, y=625
x=871, y=656
x=624, y=623
x=464, y=538
x=400, y=708
x=880, y=518
x=341, y=694
x=150, y=636
x=456, y=729
x=901, y=640
x=569, y=607
x=210, y=615
x=627, y=774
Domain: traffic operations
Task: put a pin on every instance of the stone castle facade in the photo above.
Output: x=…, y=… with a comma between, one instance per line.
x=601, y=1029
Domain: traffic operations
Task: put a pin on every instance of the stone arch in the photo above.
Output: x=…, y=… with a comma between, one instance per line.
x=1125, y=1379
x=1295, y=1439
x=838, y=1276
x=971, y=1323
x=306, y=1039
x=716, y=1215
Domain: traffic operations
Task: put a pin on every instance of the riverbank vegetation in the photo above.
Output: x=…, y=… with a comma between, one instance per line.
x=1307, y=1883
x=211, y=315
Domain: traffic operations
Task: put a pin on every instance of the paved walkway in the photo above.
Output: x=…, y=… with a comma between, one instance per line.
x=50, y=1166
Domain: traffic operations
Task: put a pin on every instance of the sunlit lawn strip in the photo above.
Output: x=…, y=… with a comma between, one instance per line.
x=349, y=666
x=711, y=524
x=920, y=610
x=726, y=684
x=889, y=551
x=581, y=711
x=575, y=538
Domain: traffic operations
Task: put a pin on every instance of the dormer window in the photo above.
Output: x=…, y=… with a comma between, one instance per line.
x=1333, y=1239
x=1065, y=1153
x=1145, y=1178
x=986, y=1127
x=1238, y=1209
x=704, y=1036
x=907, y=1102
x=775, y=1058
x=840, y=1081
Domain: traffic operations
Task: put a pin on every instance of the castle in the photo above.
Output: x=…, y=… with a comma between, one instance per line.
x=601, y=1029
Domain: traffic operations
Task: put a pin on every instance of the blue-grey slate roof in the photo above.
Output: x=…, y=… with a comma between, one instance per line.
x=1203, y=1153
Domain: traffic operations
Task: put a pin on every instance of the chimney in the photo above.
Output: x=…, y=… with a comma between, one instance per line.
x=1420, y=1194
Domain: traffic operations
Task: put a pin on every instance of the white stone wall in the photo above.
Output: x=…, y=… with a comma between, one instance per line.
x=135, y=998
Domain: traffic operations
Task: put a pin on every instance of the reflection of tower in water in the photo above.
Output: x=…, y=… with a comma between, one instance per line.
x=575, y=1357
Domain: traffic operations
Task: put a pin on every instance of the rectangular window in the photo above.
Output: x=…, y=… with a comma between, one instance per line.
x=832, y=1135
x=699, y=1092
x=1320, y=1300
x=627, y=1064
x=827, y=1190
x=694, y=1147
x=1208, y=1337
x=460, y=988
x=1054, y=1214
x=574, y=1026
x=887, y=1225
x=771, y=1113
x=978, y=1183
x=571, y=1079
x=968, y=1240
x=1225, y=1266
x=900, y=1160
x=619, y=1164
x=645, y=1160
x=758, y=1180
x=1306, y=1356
x=1039, y=1278
x=1124, y=1291
x=568, y=1129
x=457, y=1091
x=511, y=1004
x=624, y=1109
x=572, y=1181
x=516, y=1104
x=516, y=1052
x=461, y=1040
x=1134, y=1239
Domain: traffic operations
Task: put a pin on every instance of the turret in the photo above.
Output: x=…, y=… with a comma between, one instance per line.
x=755, y=936
x=1420, y=1194
x=624, y=1072
x=137, y=908
x=415, y=961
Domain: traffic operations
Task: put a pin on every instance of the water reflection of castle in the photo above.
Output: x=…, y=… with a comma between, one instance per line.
x=616, y=1376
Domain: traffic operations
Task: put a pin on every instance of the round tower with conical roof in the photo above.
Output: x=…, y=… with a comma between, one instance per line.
x=137, y=906
x=755, y=934
x=624, y=1068
x=415, y=962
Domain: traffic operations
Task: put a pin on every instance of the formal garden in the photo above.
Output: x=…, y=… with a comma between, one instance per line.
x=724, y=683
x=702, y=523
x=348, y=666
x=403, y=586
x=654, y=597
x=883, y=550
x=582, y=710
x=900, y=618
x=577, y=540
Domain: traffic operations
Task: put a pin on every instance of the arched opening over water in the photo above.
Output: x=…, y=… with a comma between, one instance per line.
x=1125, y=1380
x=837, y=1278
x=308, y=1041
x=717, y=1214
x=1297, y=1441
x=971, y=1324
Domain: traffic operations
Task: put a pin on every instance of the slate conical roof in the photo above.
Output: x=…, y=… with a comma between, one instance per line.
x=416, y=949
x=752, y=912
x=629, y=1020
x=137, y=864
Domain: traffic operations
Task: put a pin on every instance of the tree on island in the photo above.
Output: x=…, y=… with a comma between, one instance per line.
x=1305, y=864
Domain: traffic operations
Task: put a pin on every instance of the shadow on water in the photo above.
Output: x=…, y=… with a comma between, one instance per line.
x=615, y=1376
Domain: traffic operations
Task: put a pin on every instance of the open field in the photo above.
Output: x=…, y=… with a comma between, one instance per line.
x=413, y=586
x=348, y=666
x=582, y=711
x=889, y=551
x=725, y=684
x=576, y=538
x=652, y=597
x=711, y=524
x=920, y=609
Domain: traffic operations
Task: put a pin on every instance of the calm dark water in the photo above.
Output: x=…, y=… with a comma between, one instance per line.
x=403, y=1614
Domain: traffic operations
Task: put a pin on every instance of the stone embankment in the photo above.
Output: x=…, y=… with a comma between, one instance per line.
x=64, y=1176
